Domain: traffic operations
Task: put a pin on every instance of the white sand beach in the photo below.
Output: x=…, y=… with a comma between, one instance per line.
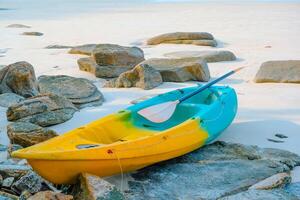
x=255, y=31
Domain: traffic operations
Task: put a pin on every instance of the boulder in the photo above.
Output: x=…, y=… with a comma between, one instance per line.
x=90, y=187
x=57, y=46
x=285, y=71
x=33, y=33
x=43, y=110
x=27, y=134
x=180, y=70
x=49, y=195
x=18, y=78
x=85, y=49
x=8, y=182
x=116, y=55
x=110, y=71
x=261, y=195
x=31, y=182
x=197, y=38
x=142, y=76
x=13, y=170
x=208, y=56
x=81, y=92
x=279, y=180
x=8, y=99
x=212, y=172
x=18, y=26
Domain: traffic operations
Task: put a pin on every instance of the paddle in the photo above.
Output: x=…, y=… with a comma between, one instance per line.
x=163, y=111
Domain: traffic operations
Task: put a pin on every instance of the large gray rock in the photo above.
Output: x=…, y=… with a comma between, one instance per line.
x=30, y=182
x=13, y=170
x=261, y=195
x=180, y=70
x=196, y=38
x=116, y=55
x=92, y=187
x=27, y=134
x=217, y=170
x=109, y=71
x=8, y=99
x=18, y=26
x=43, y=110
x=142, y=76
x=208, y=56
x=285, y=71
x=85, y=49
x=81, y=92
x=18, y=78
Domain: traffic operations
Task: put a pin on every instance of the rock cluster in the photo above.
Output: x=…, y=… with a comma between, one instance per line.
x=108, y=60
x=195, y=38
x=43, y=110
x=81, y=92
x=285, y=71
x=208, y=56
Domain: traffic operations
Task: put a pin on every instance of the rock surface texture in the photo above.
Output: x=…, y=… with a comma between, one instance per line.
x=92, y=187
x=196, y=38
x=285, y=71
x=212, y=172
x=8, y=99
x=18, y=78
x=180, y=70
x=27, y=134
x=89, y=65
x=208, y=56
x=81, y=92
x=142, y=76
x=43, y=110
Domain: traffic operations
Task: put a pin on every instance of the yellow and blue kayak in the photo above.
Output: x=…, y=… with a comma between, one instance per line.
x=125, y=141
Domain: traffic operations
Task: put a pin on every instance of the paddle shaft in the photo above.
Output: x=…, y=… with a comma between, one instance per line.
x=207, y=85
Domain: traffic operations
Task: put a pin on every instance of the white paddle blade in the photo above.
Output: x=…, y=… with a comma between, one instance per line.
x=159, y=113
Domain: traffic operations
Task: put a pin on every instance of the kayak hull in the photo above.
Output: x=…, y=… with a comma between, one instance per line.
x=124, y=141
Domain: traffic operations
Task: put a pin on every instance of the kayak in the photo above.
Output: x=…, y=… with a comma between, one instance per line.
x=125, y=141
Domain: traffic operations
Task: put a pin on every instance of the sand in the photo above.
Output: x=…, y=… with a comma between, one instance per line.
x=255, y=32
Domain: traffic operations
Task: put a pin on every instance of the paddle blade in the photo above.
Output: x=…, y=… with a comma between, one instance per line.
x=159, y=113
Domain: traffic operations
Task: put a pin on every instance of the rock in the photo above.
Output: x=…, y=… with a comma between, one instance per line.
x=180, y=70
x=43, y=110
x=208, y=56
x=89, y=65
x=57, y=46
x=18, y=26
x=92, y=187
x=116, y=55
x=279, y=180
x=8, y=182
x=281, y=136
x=13, y=147
x=139, y=100
x=81, y=92
x=286, y=71
x=261, y=195
x=85, y=49
x=212, y=43
x=12, y=170
x=165, y=38
x=33, y=33
x=7, y=196
x=49, y=195
x=142, y=76
x=214, y=171
x=275, y=141
x=8, y=99
x=27, y=134
x=25, y=195
x=18, y=78
x=294, y=189
x=31, y=182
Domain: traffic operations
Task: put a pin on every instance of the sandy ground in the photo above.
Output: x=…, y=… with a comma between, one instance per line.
x=244, y=28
